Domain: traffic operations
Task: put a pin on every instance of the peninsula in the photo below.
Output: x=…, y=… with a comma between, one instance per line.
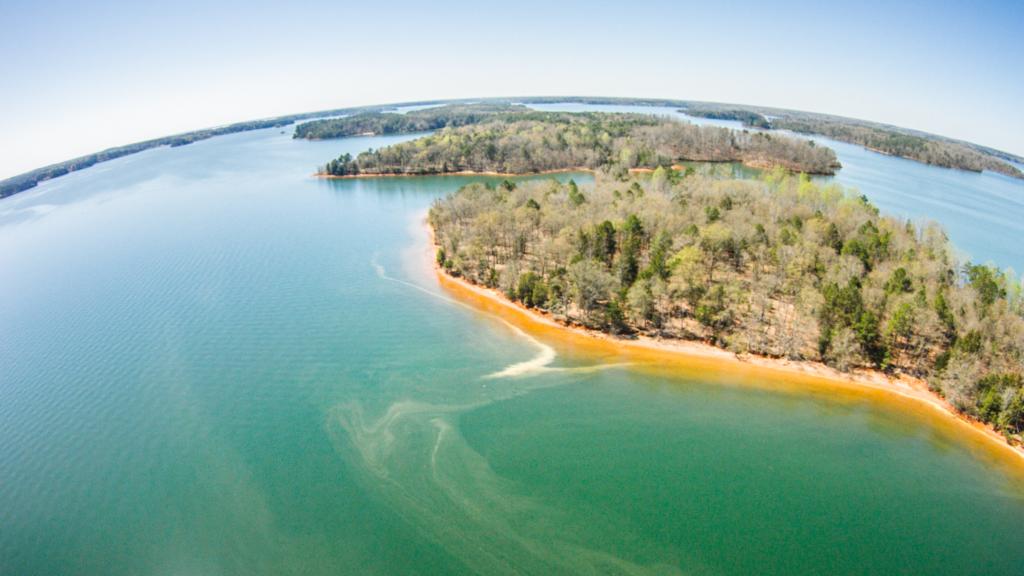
x=517, y=140
x=891, y=140
x=779, y=267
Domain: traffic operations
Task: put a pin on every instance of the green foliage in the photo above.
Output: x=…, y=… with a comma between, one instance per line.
x=901, y=324
x=988, y=282
x=633, y=237
x=629, y=268
x=970, y=343
x=999, y=399
x=897, y=142
x=1011, y=417
x=869, y=339
x=945, y=315
x=921, y=147
x=748, y=118
x=531, y=290
x=832, y=238
x=787, y=267
x=604, y=242
x=711, y=310
x=657, y=266
x=843, y=306
x=711, y=214
x=855, y=248
x=516, y=140
x=899, y=282
x=425, y=120
x=575, y=196
x=615, y=318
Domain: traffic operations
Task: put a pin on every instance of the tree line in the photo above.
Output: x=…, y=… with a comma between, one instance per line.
x=522, y=142
x=961, y=154
x=780, y=266
x=426, y=120
x=909, y=144
x=29, y=180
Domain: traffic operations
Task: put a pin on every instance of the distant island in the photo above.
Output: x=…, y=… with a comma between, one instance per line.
x=935, y=150
x=518, y=140
x=381, y=122
x=891, y=140
x=780, y=267
x=30, y=179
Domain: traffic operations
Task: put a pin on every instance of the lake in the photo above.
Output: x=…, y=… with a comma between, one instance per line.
x=213, y=363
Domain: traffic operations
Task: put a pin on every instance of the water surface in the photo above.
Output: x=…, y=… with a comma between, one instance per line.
x=212, y=363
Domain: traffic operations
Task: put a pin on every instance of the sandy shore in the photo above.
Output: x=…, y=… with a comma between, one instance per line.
x=700, y=358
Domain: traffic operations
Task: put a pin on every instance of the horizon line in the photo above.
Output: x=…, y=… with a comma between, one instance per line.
x=285, y=119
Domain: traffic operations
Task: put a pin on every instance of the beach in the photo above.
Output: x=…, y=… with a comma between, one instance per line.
x=700, y=357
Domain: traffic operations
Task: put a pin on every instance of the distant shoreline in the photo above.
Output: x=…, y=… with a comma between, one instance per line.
x=27, y=180
x=678, y=167
x=459, y=173
x=906, y=387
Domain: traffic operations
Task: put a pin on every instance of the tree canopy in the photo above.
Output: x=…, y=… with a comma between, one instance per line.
x=521, y=142
x=926, y=148
x=781, y=266
x=375, y=122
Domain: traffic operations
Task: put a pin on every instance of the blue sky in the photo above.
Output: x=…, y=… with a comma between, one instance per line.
x=77, y=77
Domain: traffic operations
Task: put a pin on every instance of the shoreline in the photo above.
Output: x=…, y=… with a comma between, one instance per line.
x=583, y=170
x=459, y=173
x=914, y=390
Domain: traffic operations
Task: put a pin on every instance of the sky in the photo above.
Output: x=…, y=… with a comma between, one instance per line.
x=77, y=77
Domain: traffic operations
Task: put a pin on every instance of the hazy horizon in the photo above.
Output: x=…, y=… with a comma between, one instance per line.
x=83, y=79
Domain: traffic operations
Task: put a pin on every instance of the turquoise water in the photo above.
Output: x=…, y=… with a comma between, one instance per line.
x=212, y=363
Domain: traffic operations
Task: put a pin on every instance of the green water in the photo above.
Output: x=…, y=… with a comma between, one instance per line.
x=211, y=363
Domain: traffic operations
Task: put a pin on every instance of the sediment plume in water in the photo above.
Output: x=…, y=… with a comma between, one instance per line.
x=414, y=457
x=538, y=364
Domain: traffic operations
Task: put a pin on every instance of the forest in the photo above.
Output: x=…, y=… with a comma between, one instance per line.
x=779, y=266
x=523, y=142
x=905, y=145
x=425, y=120
x=891, y=140
x=749, y=118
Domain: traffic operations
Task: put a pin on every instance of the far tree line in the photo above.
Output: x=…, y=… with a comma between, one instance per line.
x=523, y=142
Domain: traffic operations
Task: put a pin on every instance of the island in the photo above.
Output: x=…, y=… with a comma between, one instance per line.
x=326, y=124
x=891, y=140
x=517, y=140
x=381, y=122
x=778, y=267
x=29, y=180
